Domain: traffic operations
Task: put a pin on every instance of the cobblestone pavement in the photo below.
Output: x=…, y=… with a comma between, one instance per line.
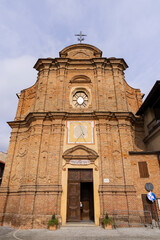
x=78, y=233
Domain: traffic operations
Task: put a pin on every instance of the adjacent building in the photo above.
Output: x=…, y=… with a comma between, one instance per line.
x=150, y=109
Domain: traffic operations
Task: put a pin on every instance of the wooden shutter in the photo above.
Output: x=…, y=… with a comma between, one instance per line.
x=143, y=169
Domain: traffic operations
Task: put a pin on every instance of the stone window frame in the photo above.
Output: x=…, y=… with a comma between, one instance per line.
x=86, y=90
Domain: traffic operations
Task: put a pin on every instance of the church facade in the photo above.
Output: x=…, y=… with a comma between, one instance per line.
x=76, y=147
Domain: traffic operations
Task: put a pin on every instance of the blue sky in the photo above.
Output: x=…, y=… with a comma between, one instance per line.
x=31, y=29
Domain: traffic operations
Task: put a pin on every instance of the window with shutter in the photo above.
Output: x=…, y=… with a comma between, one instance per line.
x=143, y=169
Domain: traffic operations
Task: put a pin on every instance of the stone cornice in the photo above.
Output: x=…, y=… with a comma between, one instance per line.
x=117, y=188
x=40, y=188
x=46, y=63
x=42, y=62
x=114, y=62
x=118, y=62
x=95, y=115
x=31, y=189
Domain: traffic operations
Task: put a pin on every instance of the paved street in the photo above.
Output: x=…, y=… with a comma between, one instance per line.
x=78, y=233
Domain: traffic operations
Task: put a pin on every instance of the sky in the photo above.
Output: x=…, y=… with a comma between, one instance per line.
x=32, y=29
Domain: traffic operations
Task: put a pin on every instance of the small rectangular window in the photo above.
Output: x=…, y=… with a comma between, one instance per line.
x=143, y=169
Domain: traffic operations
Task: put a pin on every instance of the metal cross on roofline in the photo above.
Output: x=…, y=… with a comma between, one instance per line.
x=80, y=35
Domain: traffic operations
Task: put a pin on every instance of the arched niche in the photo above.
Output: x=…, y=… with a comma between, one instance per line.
x=80, y=79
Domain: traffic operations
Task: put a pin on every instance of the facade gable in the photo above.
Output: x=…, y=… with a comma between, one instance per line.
x=77, y=120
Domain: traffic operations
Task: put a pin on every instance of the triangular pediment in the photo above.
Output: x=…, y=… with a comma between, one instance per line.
x=80, y=152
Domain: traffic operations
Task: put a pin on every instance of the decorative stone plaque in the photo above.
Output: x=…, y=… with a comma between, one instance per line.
x=80, y=162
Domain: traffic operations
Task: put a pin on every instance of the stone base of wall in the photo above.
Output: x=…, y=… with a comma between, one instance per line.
x=20, y=221
x=28, y=208
x=117, y=197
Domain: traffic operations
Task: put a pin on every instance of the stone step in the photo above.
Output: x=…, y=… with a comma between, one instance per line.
x=79, y=224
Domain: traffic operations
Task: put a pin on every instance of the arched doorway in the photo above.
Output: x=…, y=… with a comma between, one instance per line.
x=80, y=182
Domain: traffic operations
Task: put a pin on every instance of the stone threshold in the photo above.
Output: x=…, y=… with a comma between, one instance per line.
x=80, y=224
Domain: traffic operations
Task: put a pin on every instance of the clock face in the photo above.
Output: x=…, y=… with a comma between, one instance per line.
x=80, y=99
x=80, y=132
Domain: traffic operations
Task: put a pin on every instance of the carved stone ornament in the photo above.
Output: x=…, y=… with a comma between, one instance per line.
x=22, y=149
x=80, y=155
x=80, y=162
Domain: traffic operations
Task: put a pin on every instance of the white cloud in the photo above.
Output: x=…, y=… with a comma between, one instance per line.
x=16, y=74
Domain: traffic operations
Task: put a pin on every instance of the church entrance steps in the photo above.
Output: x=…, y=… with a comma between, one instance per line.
x=80, y=224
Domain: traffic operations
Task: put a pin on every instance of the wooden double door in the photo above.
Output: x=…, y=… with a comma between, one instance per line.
x=80, y=206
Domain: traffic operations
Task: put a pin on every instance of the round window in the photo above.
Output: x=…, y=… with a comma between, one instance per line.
x=80, y=99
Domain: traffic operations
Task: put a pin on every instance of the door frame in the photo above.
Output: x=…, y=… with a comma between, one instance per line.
x=96, y=199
